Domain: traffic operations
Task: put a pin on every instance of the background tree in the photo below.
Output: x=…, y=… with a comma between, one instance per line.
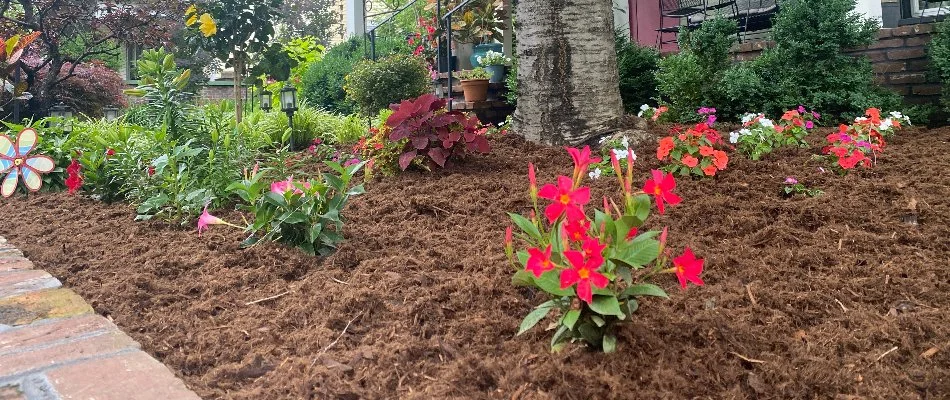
x=232, y=30
x=76, y=31
x=567, y=71
x=315, y=18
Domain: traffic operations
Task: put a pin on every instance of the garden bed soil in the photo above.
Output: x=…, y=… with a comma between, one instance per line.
x=846, y=295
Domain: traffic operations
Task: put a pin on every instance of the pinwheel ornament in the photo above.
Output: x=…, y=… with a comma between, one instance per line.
x=15, y=158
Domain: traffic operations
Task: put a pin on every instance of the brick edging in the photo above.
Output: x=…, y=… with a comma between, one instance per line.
x=53, y=346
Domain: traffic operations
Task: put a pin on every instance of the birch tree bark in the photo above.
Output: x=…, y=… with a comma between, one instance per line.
x=567, y=71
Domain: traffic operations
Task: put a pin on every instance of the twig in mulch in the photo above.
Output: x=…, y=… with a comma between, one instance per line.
x=746, y=359
x=885, y=353
x=276, y=296
x=845, y=309
x=335, y=340
x=748, y=289
x=338, y=281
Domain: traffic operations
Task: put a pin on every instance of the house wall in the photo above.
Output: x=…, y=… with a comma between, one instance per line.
x=898, y=56
x=645, y=20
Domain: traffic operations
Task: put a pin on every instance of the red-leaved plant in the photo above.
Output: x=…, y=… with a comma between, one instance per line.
x=594, y=268
x=433, y=132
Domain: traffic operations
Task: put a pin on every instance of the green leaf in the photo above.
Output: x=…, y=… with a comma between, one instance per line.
x=523, y=278
x=606, y=305
x=644, y=289
x=609, y=343
x=275, y=199
x=533, y=318
x=570, y=318
x=551, y=283
x=590, y=333
x=632, y=306
x=598, y=320
x=558, y=340
x=526, y=225
x=638, y=253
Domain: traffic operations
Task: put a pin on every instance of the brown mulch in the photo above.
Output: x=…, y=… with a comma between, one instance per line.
x=804, y=297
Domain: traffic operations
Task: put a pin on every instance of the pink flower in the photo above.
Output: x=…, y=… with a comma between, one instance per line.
x=688, y=268
x=281, y=187
x=565, y=199
x=801, y=109
x=208, y=219
x=791, y=181
x=584, y=274
x=539, y=261
x=809, y=124
x=661, y=187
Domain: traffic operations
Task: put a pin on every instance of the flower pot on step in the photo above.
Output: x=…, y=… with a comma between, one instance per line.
x=497, y=73
x=475, y=90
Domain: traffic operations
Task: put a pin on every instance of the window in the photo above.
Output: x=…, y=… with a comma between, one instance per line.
x=924, y=8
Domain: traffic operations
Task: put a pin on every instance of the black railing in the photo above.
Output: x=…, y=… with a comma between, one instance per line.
x=393, y=14
x=447, y=21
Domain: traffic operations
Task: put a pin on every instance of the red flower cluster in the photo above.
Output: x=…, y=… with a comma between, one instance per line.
x=692, y=152
x=73, y=176
x=857, y=144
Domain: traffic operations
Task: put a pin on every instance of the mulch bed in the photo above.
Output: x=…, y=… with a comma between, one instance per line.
x=804, y=297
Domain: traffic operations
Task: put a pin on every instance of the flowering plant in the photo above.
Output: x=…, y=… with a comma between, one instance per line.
x=859, y=144
x=618, y=148
x=305, y=214
x=708, y=113
x=760, y=135
x=652, y=113
x=887, y=125
x=494, y=58
x=692, y=152
x=793, y=187
x=433, y=132
x=595, y=269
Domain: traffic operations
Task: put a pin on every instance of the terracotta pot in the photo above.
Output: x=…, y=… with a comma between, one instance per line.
x=475, y=90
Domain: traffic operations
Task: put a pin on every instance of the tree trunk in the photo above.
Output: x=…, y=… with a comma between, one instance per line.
x=238, y=96
x=568, y=88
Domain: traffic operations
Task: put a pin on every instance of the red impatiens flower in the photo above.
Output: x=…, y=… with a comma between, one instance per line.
x=688, y=268
x=666, y=145
x=706, y=151
x=720, y=159
x=582, y=158
x=577, y=229
x=710, y=170
x=661, y=187
x=539, y=261
x=565, y=199
x=583, y=273
x=74, y=178
x=689, y=160
x=632, y=233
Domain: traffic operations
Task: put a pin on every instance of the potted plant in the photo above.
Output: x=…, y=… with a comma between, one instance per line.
x=474, y=84
x=476, y=31
x=495, y=63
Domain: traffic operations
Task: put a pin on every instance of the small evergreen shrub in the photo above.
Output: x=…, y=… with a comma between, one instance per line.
x=637, y=67
x=375, y=85
x=692, y=78
x=940, y=59
x=323, y=83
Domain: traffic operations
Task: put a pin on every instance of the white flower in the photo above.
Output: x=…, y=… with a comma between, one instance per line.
x=886, y=124
x=733, y=137
x=625, y=142
x=745, y=131
x=620, y=154
x=595, y=174
x=632, y=154
x=640, y=114
x=747, y=117
x=897, y=114
x=860, y=119
x=602, y=140
x=766, y=123
x=644, y=107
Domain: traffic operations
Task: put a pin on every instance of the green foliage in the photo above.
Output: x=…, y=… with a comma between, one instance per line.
x=474, y=74
x=307, y=215
x=309, y=123
x=323, y=82
x=376, y=85
x=637, y=67
x=940, y=60
x=511, y=83
x=692, y=78
x=162, y=85
x=807, y=66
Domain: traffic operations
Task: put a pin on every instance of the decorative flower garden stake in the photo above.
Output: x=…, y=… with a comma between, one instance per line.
x=16, y=159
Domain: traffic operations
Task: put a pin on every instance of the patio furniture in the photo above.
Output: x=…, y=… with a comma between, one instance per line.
x=688, y=10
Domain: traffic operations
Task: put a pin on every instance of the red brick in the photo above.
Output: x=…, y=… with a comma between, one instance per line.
x=884, y=33
x=903, y=54
x=130, y=376
x=875, y=56
x=884, y=67
x=887, y=43
x=918, y=65
x=45, y=357
x=13, y=283
x=14, y=263
x=921, y=40
x=912, y=29
x=927, y=90
x=34, y=306
x=907, y=78
x=21, y=339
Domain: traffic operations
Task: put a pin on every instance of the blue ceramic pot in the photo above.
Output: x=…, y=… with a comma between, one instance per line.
x=482, y=49
x=497, y=73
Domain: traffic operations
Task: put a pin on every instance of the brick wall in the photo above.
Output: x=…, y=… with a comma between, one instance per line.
x=899, y=58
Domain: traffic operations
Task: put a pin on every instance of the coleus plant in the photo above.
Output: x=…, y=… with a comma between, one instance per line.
x=858, y=144
x=692, y=151
x=431, y=131
x=594, y=267
x=760, y=135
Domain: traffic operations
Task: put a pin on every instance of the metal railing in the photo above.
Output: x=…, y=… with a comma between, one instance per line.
x=393, y=14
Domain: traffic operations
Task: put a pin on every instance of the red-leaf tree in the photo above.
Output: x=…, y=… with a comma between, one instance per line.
x=99, y=26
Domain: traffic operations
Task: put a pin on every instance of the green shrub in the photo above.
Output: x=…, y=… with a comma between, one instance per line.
x=322, y=84
x=692, y=78
x=940, y=59
x=740, y=90
x=511, y=83
x=637, y=67
x=376, y=85
x=807, y=66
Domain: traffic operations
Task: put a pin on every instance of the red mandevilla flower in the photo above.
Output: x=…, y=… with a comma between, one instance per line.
x=661, y=187
x=593, y=248
x=539, y=261
x=583, y=273
x=565, y=199
x=688, y=268
x=74, y=178
x=577, y=229
x=582, y=158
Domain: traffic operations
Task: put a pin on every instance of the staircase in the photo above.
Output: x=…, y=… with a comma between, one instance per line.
x=494, y=110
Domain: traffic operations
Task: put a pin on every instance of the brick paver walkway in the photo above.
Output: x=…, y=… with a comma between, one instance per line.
x=53, y=346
